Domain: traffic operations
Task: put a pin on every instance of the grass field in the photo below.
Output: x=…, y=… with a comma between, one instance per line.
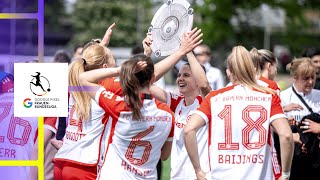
x=165, y=170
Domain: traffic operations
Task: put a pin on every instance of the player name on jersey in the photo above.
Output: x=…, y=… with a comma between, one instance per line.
x=243, y=98
x=134, y=170
x=7, y=153
x=241, y=159
x=74, y=136
x=146, y=118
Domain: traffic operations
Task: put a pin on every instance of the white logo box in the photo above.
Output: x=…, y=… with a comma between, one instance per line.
x=30, y=100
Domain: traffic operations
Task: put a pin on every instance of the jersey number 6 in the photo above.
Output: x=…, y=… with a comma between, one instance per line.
x=136, y=141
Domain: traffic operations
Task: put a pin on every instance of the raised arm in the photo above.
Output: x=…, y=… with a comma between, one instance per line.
x=189, y=41
x=159, y=93
x=107, y=36
x=91, y=78
x=200, y=75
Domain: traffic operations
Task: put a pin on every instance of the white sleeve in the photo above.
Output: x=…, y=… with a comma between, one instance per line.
x=204, y=117
x=285, y=98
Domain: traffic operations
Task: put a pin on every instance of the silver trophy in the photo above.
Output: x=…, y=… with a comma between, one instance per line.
x=168, y=25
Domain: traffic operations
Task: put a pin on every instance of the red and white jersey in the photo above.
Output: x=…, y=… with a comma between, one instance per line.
x=81, y=143
x=113, y=85
x=272, y=85
x=134, y=146
x=81, y=140
x=269, y=83
x=240, y=140
x=181, y=166
x=17, y=135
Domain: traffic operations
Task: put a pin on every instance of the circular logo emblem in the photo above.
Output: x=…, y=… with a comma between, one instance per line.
x=39, y=85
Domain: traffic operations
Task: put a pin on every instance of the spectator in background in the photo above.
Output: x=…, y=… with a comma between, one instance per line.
x=77, y=52
x=138, y=49
x=314, y=55
x=214, y=75
x=61, y=56
x=304, y=75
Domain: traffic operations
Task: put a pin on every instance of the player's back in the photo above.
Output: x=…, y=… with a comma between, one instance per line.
x=17, y=136
x=240, y=146
x=134, y=147
x=82, y=138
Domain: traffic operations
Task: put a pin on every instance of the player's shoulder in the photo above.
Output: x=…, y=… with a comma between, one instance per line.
x=162, y=106
x=269, y=83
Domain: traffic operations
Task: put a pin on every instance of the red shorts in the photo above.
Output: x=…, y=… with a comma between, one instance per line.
x=67, y=170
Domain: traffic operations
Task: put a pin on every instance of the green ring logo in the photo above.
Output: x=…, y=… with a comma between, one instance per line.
x=26, y=103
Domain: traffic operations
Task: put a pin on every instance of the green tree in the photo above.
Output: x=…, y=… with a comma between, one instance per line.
x=54, y=14
x=213, y=17
x=90, y=19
